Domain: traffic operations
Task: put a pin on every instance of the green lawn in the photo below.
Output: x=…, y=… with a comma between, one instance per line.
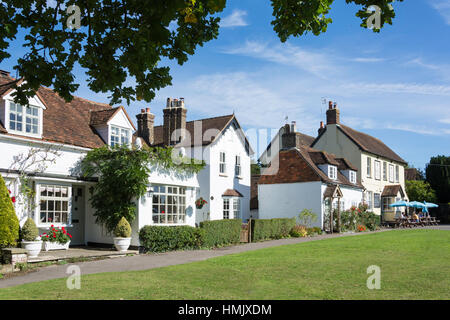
x=415, y=264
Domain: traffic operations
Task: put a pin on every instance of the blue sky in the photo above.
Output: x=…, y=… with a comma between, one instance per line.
x=394, y=85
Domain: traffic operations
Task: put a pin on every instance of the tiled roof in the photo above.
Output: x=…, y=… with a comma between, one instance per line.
x=344, y=164
x=412, y=174
x=67, y=122
x=301, y=165
x=217, y=123
x=232, y=193
x=366, y=143
x=392, y=191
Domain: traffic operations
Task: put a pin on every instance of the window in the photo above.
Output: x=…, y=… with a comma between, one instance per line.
x=237, y=168
x=226, y=208
x=332, y=172
x=369, y=199
x=119, y=136
x=222, y=164
x=384, y=170
x=377, y=170
x=377, y=200
x=386, y=202
x=397, y=173
x=23, y=119
x=54, y=204
x=352, y=176
x=236, y=208
x=391, y=173
x=369, y=167
x=169, y=204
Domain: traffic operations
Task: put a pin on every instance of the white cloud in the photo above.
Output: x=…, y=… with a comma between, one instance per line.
x=413, y=88
x=368, y=60
x=317, y=63
x=443, y=7
x=235, y=19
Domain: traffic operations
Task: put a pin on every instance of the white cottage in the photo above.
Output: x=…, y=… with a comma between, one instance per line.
x=304, y=178
x=48, y=138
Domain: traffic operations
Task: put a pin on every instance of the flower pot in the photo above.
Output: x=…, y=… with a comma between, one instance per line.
x=122, y=244
x=48, y=245
x=33, y=248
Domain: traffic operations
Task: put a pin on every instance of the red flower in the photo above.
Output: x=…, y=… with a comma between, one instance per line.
x=9, y=191
x=13, y=199
x=70, y=236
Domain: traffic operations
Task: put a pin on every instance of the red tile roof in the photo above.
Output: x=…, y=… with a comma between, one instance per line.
x=392, y=191
x=232, y=193
x=66, y=122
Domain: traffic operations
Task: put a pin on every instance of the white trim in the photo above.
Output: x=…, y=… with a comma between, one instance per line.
x=24, y=139
x=37, y=208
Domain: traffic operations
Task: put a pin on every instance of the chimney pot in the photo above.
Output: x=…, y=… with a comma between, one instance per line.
x=142, y=111
x=147, y=110
x=330, y=105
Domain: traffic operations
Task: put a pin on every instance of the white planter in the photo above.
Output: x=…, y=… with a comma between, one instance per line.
x=33, y=248
x=122, y=244
x=56, y=245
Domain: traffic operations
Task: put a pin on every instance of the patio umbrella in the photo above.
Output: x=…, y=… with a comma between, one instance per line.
x=400, y=203
x=415, y=204
x=428, y=205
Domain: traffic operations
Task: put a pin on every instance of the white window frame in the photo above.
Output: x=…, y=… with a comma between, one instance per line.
x=385, y=174
x=391, y=173
x=352, y=176
x=236, y=208
x=226, y=208
x=369, y=167
x=238, y=168
x=370, y=200
x=120, y=135
x=332, y=172
x=222, y=163
x=24, y=118
x=40, y=198
x=377, y=169
x=397, y=173
x=173, y=197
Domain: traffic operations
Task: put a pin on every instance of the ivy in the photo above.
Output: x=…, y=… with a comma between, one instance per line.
x=123, y=176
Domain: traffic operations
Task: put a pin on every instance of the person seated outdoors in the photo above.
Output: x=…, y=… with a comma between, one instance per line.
x=399, y=215
x=415, y=217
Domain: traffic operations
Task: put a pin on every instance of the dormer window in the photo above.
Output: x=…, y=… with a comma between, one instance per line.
x=332, y=172
x=23, y=119
x=119, y=136
x=352, y=175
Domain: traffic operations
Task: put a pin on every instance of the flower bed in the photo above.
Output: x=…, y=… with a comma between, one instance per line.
x=56, y=239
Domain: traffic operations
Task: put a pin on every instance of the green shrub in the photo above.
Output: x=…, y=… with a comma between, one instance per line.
x=123, y=229
x=299, y=232
x=307, y=217
x=221, y=232
x=29, y=230
x=9, y=224
x=264, y=229
x=162, y=238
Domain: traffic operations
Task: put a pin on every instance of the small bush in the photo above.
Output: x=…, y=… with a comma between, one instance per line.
x=29, y=230
x=264, y=229
x=307, y=217
x=9, y=224
x=123, y=229
x=299, y=232
x=162, y=238
x=221, y=232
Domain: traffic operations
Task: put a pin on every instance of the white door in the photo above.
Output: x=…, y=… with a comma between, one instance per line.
x=78, y=214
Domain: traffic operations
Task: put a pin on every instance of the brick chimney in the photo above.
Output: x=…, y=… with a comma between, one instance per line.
x=174, y=119
x=333, y=113
x=146, y=121
x=290, y=138
x=321, y=128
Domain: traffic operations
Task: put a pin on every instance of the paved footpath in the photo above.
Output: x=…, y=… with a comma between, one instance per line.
x=151, y=261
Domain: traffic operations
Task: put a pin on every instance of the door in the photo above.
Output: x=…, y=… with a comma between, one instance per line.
x=78, y=215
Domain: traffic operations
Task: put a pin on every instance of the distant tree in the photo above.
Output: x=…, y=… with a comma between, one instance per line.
x=115, y=40
x=438, y=176
x=421, y=191
x=255, y=168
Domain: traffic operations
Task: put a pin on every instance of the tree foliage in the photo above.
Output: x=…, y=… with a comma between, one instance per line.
x=119, y=39
x=123, y=176
x=9, y=223
x=438, y=176
x=418, y=190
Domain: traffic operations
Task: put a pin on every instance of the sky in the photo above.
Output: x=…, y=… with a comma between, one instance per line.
x=393, y=85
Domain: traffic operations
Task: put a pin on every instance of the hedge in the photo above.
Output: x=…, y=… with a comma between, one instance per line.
x=9, y=223
x=221, y=232
x=265, y=229
x=162, y=238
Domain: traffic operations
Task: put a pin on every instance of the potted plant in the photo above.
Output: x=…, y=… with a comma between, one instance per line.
x=199, y=203
x=30, y=239
x=123, y=235
x=56, y=239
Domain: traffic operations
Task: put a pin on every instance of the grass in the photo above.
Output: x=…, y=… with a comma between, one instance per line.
x=414, y=265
